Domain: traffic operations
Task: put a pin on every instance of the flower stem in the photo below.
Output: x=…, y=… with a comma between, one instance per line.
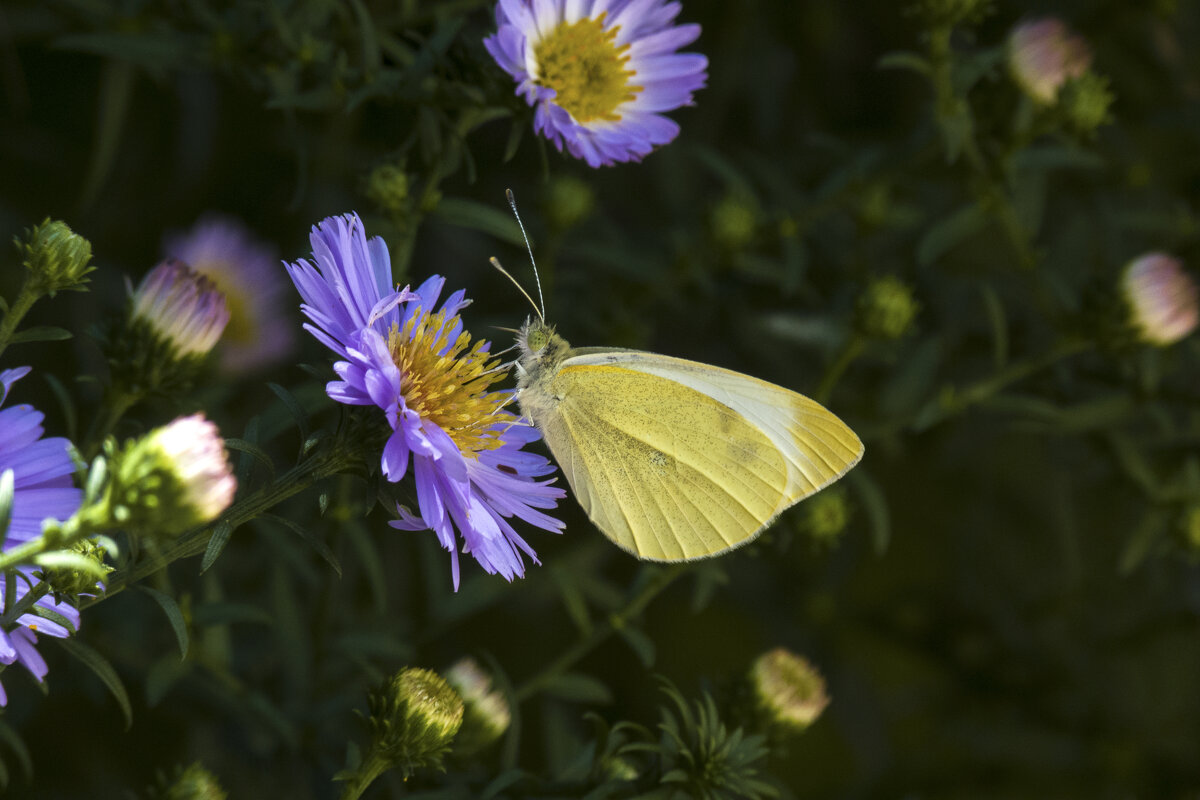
x=371, y=768
x=636, y=605
x=26, y=297
x=297, y=479
x=116, y=403
x=851, y=349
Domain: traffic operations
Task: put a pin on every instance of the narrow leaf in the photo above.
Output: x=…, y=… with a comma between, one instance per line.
x=294, y=408
x=216, y=544
x=313, y=540
x=876, y=507
x=174, y=616
x=41, y=333
x=949, y=232
x=104, y=671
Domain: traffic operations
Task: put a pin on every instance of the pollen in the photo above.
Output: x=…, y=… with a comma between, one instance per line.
x=446, y=382
x=583, y=64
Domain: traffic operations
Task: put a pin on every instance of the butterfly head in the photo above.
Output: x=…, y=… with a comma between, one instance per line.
x=541, y=348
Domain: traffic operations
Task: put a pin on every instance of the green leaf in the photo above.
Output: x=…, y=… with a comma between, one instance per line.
x=641, y=644
x=504, y=780
x=494, y=220
x=1049, y=157
x=66, y=559
x=104, y=671
x=578, y=688
x=573, y=599
x=368, y=556
x=42, y=333
x=18, y=747
x=905, y=59
x=174, y=616
x=224, y=613
x=259, y=455
x=1147, y=534
x=66, y=402
x=876, y=507
x=294, y=408
x=163, y=674
x=313, y=540
x=949, y=232
x=216, y=544
x=53, y=616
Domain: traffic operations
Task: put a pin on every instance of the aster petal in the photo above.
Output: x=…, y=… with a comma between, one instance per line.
x=395, y=456
x=24, y=641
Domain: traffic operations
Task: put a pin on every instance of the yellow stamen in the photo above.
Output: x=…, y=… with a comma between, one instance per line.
x=449, y=390
x=581, y=62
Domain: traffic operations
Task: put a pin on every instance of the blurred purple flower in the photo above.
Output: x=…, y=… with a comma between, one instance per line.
x=1043, y=54
x=1162, y=297
x=246, y=270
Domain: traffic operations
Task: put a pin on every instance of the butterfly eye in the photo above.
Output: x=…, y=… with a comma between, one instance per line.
x=536, y=339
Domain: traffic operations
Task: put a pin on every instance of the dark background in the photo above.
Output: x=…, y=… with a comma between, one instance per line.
x=1012, y=608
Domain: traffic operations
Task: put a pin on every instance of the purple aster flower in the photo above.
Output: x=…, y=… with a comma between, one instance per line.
x=181, y=307
x=246, y=270
x=599, y=72
x=42, y=471
x=433, y=384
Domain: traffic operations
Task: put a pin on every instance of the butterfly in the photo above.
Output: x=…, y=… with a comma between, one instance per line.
x=674, y=460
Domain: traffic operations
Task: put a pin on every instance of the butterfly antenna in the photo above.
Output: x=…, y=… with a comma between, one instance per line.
x=512, y=203
x=496, y=263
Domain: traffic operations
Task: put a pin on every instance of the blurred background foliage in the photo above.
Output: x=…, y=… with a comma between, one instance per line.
x=1003, y=597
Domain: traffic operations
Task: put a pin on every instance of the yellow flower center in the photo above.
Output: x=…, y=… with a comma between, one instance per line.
x=582, y=63
x=449, y=390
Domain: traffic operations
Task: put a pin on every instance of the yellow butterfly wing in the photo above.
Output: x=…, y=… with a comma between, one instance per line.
x=675, y=460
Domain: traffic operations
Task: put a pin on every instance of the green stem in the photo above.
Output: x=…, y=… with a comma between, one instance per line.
x=116, y=403
x=634, y=607
x=851, y=349
x=988, y=387
x=195, y=541
x=17, y=311
x=371, y=768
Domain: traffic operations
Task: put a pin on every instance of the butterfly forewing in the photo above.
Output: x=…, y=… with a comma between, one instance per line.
x=668, y=473
x=818, y=447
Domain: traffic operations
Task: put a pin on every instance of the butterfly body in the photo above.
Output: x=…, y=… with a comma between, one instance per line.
x=675, y=460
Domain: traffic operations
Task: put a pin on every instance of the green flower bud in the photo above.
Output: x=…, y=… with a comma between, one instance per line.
x=388, y=187
x=414, y=718
x=789, y=692
x=734, y=221
x=826, y=515
x=1086, y=101
x=194, y=783
x=569, y=202
x=1189, y=525
x=173, y=479
x=57, y=258
x=71, y=583
x=486, y=715
x=886, y=308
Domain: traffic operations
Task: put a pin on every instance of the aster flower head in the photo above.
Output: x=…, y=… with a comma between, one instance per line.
x=412, y=359
x=245, y=269
x=1043, y=54
x=789, y=691
x=599, y=72
x=170, y=480
x=486, y=715
x=180, y=306
x=1162, y=298
x=42, y=489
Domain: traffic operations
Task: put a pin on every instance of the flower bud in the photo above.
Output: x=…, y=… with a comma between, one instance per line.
x=826, y=515
x=1161, y=298
x=1043, y=54
x=173, y=479
x=789, y=692
x=388, y=187
x=486, y=715
x=192, y=783
x=72, y=583
x=569, y=202
x=414, y=718
x=734, y=221
x=181, y=307
x=56, y=257
x=1085, y=101
x=886, y=308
